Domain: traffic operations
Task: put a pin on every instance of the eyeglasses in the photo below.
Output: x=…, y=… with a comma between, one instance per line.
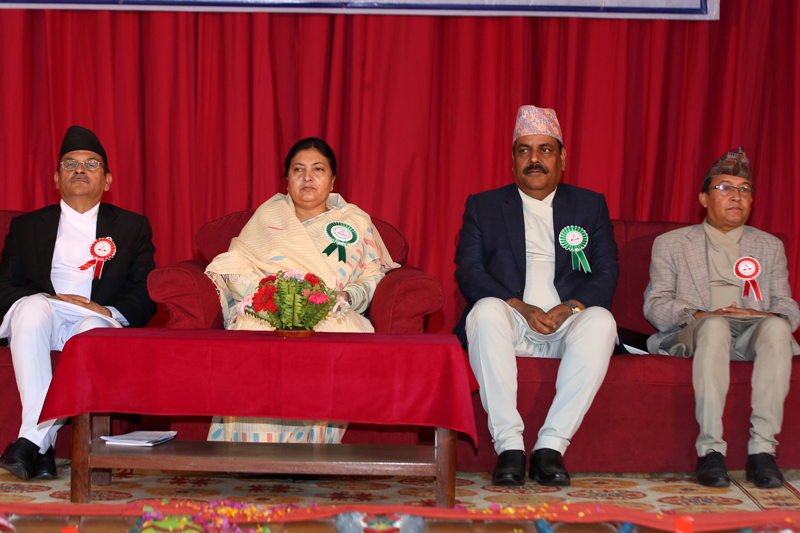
x=727, y=190
x=89, y=164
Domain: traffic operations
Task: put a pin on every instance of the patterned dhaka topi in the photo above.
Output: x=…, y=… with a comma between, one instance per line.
x=533, y=120
x=731, y=164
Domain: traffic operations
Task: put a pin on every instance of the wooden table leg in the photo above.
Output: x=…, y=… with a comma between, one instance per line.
x=101, y=425
x=80, y=483
x=445, y=467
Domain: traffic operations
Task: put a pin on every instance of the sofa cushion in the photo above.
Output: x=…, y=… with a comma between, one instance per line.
x=189, y=296
x=215, y=237
x=642, y=419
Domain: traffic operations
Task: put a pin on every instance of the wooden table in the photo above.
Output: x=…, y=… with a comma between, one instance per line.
x=366, y=378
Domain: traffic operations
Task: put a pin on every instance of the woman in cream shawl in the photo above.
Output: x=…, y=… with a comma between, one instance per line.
x=312, y=230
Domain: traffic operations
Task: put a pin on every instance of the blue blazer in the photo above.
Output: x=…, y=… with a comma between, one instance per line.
x=491, y=248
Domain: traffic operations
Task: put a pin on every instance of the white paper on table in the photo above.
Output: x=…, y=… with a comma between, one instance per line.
x=140, y=438
x=635, y=351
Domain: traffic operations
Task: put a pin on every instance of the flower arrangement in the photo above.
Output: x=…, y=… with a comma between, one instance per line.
x=290, y=300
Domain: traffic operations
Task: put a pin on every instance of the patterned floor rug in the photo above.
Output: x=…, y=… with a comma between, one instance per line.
x=661, y=493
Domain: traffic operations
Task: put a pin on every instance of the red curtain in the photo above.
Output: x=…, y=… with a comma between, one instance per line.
x=197, y=111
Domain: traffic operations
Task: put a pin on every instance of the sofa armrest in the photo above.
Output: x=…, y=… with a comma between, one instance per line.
x=189, y=296
x=404, y=299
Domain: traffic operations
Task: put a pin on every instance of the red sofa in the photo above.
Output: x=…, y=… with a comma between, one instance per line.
x=642, y=419
x=402, y=302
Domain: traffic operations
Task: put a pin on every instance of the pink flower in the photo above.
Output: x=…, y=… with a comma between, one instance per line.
x=340, y=307
x=296, y=274
x=317, y=297
x=247, y=302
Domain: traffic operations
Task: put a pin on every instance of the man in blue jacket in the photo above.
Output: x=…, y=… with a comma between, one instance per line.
x=537, y=263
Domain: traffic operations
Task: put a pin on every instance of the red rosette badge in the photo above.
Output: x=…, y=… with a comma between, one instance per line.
x=102, y=250
x=747, y=269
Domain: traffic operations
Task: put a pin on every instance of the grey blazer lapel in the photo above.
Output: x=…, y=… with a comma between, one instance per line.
x=696, y=257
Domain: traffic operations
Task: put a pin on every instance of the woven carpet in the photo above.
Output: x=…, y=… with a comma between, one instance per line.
x=660, y=493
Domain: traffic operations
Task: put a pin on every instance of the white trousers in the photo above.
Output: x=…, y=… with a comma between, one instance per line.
x=35, y=328
x=498, y=334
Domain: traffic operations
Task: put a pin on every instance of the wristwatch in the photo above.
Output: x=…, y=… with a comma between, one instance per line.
x=574, y=307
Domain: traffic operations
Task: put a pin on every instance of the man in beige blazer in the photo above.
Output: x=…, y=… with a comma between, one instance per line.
x=719, y=291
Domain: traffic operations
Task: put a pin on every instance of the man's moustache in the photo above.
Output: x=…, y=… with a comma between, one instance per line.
x=532, y=167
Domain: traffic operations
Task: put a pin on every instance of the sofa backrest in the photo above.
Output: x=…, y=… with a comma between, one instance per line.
x=5, y=223
x=215, y=237
x=635, y=244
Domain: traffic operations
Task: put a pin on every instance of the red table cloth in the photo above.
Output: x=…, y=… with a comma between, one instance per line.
x=351, y=377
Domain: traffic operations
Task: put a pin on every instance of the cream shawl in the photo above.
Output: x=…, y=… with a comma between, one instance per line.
x=274, y=239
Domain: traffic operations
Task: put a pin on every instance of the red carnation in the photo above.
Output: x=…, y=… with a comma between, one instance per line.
x=312, y=279
x=263, y=300
x=268, y=279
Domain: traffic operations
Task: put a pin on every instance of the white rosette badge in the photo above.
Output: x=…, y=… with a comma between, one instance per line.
x=340, y=235
x=102, y=250
x=747, y=269
x=574, y=239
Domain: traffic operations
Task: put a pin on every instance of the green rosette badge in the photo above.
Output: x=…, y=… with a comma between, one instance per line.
x=574, y=239
x=340, y=235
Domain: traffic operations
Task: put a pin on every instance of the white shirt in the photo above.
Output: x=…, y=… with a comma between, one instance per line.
x=76, y=233
x=540, y=252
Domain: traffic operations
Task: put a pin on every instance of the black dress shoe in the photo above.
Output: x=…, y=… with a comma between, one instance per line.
x=547, y=468
x=510, y=469
x=711, y=471
x=44, y=467
x=762, y=471
x=19, y=458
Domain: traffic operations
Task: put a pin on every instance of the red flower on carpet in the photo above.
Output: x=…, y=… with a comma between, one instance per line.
x=264, y=299
x=268, y=279
x=312, y=279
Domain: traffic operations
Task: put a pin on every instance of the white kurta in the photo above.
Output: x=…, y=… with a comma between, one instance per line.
x=540, y=253
x=76, y=233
